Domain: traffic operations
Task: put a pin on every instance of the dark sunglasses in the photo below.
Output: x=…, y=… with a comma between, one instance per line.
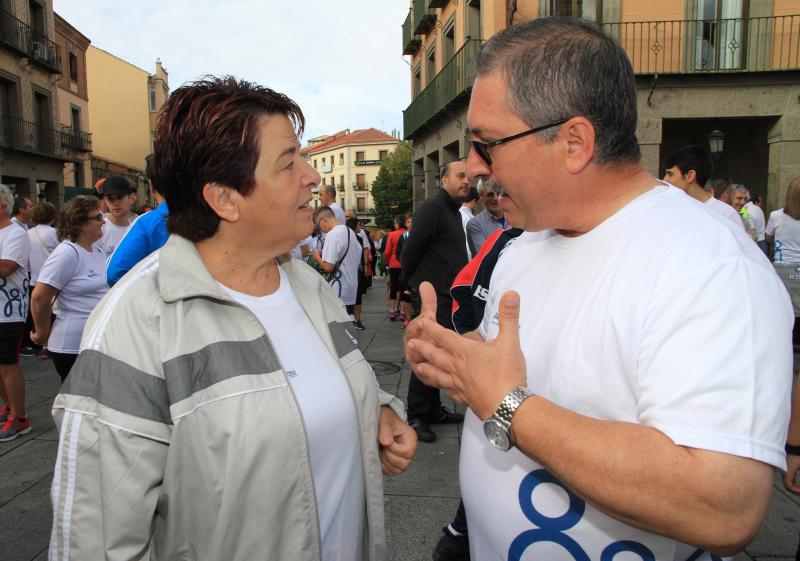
x=482, y=148
x=98, y=217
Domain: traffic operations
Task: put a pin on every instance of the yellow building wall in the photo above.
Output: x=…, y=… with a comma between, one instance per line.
x=349, y=170
x=119, y=107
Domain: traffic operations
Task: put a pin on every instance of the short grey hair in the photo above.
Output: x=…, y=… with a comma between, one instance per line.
x=742, y=189
x=486, y=185
x=557, y=68
x=7, y=198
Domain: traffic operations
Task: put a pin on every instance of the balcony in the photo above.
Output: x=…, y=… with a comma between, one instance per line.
x=25, y=136
x=449, y=85
x=437, y=4
x=360, y=187
x=758, y=44
x=424, y=19
x=340, y=188
x=411, y=44
x=75, y=139
x=20, y=38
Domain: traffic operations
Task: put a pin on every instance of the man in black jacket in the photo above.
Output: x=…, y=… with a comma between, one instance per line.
x=435, y=252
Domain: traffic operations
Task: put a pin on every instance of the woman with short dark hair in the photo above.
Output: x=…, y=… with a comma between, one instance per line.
x=220, y=391
x=70, y=284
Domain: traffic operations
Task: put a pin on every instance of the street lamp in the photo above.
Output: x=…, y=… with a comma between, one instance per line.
x=716, y=142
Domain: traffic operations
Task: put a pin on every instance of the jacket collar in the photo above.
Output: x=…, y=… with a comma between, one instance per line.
x=182, y=273
x=453, y=204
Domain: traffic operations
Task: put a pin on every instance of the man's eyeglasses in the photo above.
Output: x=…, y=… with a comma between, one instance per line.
x=97, y=217
x=482, y=148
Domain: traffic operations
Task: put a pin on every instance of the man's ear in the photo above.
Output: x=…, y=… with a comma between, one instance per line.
x=223, y=200
x=691, y=176
x=580, y=138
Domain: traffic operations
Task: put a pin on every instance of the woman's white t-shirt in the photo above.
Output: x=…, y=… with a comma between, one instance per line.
x=44, y=240
x=787, y=236
x=80, y=277
x=329, y=415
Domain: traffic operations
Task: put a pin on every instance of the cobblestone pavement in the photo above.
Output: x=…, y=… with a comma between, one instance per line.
x=418, y=503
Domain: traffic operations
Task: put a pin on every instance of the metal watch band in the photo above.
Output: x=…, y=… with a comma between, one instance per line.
x=509, y=405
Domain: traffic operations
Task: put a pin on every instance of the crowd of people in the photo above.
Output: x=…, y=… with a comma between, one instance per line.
x=215, y=403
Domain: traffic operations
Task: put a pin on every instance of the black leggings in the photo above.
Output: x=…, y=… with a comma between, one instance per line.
x=63, y=363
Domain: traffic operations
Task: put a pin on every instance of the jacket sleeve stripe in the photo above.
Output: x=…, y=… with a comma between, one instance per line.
x=190, y=373
x=55, y=491
x=72, y=458
x=112, y=383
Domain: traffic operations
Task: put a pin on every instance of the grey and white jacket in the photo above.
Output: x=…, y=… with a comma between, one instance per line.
x=180, y=436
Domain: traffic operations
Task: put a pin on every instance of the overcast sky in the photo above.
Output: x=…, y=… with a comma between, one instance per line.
x=339, y=60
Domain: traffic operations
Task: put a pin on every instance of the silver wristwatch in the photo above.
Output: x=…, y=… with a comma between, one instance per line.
x=496, y=427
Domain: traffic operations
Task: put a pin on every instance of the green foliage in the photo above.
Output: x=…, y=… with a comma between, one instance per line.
x=392, y=189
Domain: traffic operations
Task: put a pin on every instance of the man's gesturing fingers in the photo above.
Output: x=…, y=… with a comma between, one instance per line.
x=508, y=318
x=428, y=296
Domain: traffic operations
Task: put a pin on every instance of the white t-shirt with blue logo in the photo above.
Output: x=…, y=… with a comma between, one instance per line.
x=80, y=277
x=329, y=416
x=14, y=246
x=615, y=325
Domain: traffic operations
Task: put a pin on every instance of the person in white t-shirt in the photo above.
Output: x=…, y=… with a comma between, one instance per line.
x=71, y=283
x=14, y=256
x=756, y=214
x=23, y=212
x=688, y=169
x=340, y=256
x=120, y=196
x=467, y=211
x=603, y=419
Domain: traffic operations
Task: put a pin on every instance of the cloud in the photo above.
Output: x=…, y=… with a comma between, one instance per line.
x=341, y=61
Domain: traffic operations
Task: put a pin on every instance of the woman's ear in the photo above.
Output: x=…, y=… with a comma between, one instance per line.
x=223, y=200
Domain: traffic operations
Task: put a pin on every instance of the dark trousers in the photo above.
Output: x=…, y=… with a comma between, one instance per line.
x=63, y=363
x=26, y=336
x=424, y=402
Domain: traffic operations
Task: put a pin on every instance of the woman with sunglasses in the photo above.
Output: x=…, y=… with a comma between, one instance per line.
x=71, y=283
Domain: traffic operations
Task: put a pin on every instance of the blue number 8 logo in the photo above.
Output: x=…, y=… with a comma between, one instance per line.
x=552, y=529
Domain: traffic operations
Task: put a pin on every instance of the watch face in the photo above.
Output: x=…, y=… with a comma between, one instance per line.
x=495, y=434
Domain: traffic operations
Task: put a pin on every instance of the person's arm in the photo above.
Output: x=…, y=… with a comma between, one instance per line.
x=106, y=482
x=632, y=472
x=793, y=439
x=132, y=249
x=16, y=252
x=42, y=311
x=7, y=267
x=475, y=236
x=397, y=441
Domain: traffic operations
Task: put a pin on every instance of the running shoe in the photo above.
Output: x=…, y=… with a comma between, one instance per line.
x=5, y=411
x=359, y=325
x=12, y=428
x=393, y=315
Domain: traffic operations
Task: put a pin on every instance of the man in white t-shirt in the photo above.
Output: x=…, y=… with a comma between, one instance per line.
x=14, y=257
x=603, y=419
x=756, y=215
x=327, y=197
x=467, y=211
x=23, y=212
x=341, y=253
x=688, y=169
x=364, y=268
x=120, y=197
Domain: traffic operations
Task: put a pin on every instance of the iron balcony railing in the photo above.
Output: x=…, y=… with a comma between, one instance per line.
x=424, y=18
x=19, y=37
x=411, y=43
x=446, y=87
x=17, y=134
x=76, y=139
x=757, y=44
